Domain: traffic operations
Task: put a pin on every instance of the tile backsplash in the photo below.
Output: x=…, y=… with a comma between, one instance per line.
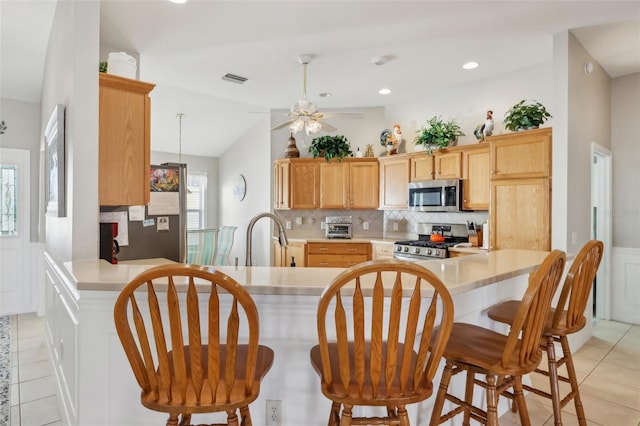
x=307, y=223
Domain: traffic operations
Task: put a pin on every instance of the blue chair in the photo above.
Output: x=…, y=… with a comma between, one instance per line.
x=202, y=245
x=225, y=242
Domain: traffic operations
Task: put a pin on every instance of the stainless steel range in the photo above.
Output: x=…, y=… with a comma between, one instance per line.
x=423, y=248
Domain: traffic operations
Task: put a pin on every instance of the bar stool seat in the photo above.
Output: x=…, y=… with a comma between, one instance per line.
x=565, y=319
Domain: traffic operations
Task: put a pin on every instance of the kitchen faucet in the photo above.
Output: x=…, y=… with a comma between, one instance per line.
x=282, y=237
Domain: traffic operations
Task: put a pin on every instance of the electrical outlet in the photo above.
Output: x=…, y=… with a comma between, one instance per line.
x=274, y=413
x=298, y=220
x=365, y=226
x=287, y=224
x=395, y=226
x=322, y=225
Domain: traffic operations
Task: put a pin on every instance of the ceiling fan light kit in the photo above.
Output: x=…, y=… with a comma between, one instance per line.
x=304, y=113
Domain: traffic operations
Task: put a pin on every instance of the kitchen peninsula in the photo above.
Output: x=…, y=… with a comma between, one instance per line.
x=95, y=381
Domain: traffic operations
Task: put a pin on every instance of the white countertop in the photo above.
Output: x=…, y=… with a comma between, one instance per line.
x=460, y=274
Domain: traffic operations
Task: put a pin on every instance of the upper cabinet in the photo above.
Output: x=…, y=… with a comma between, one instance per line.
x=297, y=184
x=421, y=167
x=394, y=179
x=521, y=155
x=475, y=175
x=349, y=184
x=448, y=165
x=124, y=141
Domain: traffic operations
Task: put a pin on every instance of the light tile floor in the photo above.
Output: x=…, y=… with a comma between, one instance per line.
x=608, y=368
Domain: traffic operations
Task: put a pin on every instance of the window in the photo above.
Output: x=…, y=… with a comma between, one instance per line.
x=8, y=199
x=196, y=200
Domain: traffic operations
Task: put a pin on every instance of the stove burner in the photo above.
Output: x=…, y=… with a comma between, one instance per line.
x=424, y=248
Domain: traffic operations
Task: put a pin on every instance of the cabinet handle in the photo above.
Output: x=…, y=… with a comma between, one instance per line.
x=351, y=249
x=494, y=172
x=323, y=249
x=351, y=263
x=324, y=263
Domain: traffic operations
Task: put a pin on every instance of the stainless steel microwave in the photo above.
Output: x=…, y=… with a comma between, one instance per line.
x=435, y=196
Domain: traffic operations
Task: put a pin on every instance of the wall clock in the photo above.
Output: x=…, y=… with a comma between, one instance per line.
x=239, y=189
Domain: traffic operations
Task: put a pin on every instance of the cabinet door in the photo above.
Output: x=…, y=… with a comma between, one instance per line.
x=448, y=165
x=124, y=141
x=305, y=184
x=363, y=184
x=334, y=185
x=281, y=182
x=520, y=214
x=421, y=167
x=394, y=183
x=476, y=185
x=295, y=251
x=521, y=154
x=277, y=254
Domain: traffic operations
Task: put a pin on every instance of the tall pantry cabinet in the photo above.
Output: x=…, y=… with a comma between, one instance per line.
x=520, y=206
x=124, y=141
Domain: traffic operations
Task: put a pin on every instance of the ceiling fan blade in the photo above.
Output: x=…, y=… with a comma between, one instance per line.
x=282, y=125
x=328, y=127
x=344, y=114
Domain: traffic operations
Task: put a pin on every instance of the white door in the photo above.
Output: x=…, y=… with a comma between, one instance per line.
x=15, y=279
x=601, y=228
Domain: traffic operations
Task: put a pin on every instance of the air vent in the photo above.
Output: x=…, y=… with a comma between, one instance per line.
x=234, y=78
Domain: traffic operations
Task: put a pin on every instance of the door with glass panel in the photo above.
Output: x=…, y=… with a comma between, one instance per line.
x=15, y=287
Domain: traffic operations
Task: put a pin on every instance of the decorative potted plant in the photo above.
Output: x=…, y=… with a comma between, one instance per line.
x=524, y=116
x=438, y=134
x=330, y=147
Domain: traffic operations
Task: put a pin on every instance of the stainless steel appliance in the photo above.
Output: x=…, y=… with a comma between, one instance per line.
x=423, y=248
x=435, y=195
x=339, y=227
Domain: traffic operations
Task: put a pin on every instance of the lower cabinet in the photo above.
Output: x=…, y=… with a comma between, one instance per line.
x=283, y=256
x=337, y=255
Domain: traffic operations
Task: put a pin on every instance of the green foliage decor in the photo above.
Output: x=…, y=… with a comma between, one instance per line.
x=525, y=116
x=437, y=133
x=103, y=66
x=330, y=147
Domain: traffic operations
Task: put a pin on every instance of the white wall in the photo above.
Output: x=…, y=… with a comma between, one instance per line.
x=23, y=132
x=196, y=164
x=71, y=79
x=249, y=156
x=625, y=144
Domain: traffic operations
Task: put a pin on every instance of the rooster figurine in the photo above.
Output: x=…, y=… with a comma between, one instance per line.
x=486, y=129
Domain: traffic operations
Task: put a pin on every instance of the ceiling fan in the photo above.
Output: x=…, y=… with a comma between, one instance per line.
x=305, y=115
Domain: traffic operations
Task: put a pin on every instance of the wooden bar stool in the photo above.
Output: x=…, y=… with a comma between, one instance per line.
x=216, y=371
x=502, y=359
x=374, y=351
x=567, y=318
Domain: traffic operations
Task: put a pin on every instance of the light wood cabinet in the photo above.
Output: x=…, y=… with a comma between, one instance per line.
x=476, y=176
x=124, y=147
x=421, y=167
x=448, y=165
x=282, y=256
x=296, y=184
x=281, y=185
x=521, y=155
x=337, y=255
x=520, y=207
x=394, y=181
x=349, y=184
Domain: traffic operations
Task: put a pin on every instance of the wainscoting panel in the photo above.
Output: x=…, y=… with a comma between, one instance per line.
x=625, y=285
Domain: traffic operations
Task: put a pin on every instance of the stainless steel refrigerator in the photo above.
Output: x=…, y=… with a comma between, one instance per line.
x=158, y=230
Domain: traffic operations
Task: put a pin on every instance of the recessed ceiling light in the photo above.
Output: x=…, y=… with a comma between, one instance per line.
x=470, y=65
x=179, y=1
x=384, y=91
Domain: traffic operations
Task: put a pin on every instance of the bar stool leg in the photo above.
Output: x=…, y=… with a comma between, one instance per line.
x=553, y=381
x=245, y=417
x=403, y=417
x=571, y=372
x=520, y=402
x=173, y=419
x=334, y=416
x=468, y=397
x=345, y=420
x=232, y=418
x=492, y=401
x=442, y=392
